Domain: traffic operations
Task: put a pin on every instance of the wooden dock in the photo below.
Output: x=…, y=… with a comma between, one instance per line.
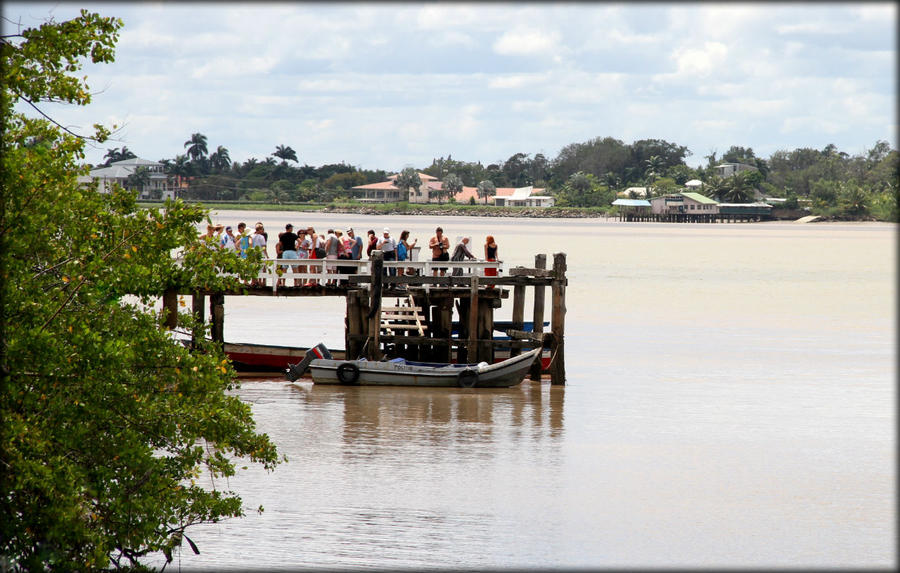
x=420, y=326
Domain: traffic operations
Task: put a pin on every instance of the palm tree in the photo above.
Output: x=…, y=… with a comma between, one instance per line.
x=612, y=180
x=196, y=146
x=284, y=153
x=451, y=186
x=486, y=189
x=113, y=155
x=407, y=180
x=220, y=160
x=739, y=189
x=139, y=179
x=655, y=165
x=714, y=187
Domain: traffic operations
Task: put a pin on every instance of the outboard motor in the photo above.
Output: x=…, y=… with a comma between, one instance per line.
x=295, y=371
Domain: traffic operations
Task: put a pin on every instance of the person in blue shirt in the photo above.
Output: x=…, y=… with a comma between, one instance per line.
x=356, y=245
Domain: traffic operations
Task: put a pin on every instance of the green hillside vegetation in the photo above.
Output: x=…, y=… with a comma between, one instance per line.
x=825, y=182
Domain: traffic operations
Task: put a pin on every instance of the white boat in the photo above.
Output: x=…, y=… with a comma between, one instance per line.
x=402, y=372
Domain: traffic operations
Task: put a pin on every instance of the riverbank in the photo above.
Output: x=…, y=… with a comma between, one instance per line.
x=448, y=209
x=453, y=209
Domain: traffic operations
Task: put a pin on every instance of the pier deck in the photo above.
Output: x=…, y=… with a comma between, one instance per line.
x=468, y=287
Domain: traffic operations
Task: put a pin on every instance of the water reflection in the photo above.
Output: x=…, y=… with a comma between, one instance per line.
x=438, y=416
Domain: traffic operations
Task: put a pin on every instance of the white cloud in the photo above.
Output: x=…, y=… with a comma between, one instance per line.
x=487, y=81
x=517, y=81
x=701, y=61
x=526, y=42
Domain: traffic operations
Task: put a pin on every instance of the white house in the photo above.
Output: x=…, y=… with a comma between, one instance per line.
x=118, y=172
x=522, y=197
x=388, y=192
x=688, y=203
x=729, y=169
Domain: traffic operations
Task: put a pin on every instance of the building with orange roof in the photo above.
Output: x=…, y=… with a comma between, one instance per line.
x=387, y=192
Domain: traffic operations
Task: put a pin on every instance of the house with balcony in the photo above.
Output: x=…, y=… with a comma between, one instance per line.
x=104, y=178
x=688, y=203
x=388, y=192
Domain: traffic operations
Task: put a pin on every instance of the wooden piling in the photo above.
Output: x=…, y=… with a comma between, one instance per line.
x=472, y=345
x=518, y=315
x=540, y=262
x=558, y=320
x=198, y=308
x=170, y=308
x=373, y=350
x=217, y=320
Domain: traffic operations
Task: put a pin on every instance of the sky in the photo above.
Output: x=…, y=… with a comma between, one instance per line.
x=394, y=85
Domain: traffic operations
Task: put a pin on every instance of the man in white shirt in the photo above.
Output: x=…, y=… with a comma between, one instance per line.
x=388, y=247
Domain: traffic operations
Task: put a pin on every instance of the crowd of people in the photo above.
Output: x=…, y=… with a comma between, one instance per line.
x=307, y=244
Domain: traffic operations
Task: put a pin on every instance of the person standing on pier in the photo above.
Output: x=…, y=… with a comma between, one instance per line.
x=404, y=250
x=332, y=250
x=490, y=255
x=242, y=241
x=287, y=244
x=461, y=252
x=258, y=241
x=304, y=246
x=227, y=241
x=373, y=240
x=356, y=245
x=440, y=250
x=388, y=247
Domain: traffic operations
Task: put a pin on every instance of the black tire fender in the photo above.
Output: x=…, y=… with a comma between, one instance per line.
x=467, y=378
x=348, y=373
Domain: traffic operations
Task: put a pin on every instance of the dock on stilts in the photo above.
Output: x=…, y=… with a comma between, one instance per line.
x=420, y=326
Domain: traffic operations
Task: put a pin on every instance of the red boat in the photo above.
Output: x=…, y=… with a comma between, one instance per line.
x=259, y=359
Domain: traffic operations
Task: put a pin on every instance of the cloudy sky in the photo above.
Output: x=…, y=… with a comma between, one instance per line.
x=385, y=86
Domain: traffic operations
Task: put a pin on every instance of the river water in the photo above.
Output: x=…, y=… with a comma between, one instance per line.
x=730, y=402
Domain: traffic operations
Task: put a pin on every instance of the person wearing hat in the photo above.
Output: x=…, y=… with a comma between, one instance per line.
x=227, y=241
x=356, y=245
x=287, y=249
x=388, y=248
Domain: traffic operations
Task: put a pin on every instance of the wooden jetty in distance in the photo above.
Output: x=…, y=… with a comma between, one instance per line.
x=420, y=326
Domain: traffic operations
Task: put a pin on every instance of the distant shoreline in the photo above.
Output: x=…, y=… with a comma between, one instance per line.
x=453, y=210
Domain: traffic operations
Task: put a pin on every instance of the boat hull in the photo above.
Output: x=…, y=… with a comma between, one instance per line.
x=262, y=358
x=503, y=374
x=266, y=358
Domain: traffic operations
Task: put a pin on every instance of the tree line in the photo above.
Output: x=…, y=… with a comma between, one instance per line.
x=588, y=174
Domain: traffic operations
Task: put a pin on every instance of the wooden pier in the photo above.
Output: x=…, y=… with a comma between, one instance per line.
x=647, y=217
x=420, y=325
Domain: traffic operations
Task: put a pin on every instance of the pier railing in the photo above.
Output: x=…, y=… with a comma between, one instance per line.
x=279, y=273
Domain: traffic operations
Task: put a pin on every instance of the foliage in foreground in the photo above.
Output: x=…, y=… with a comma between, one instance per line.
x=113, y=433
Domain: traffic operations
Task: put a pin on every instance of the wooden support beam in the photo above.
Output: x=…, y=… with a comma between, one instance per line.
x=486, y=332
x=373, y=352
x=355, y=324
x=558, y=320
x=170, y=308
x=540, y=263
x=535, y=272
x=198, y=308
x=518, y=313
x=217, y=320
x=472, y=345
